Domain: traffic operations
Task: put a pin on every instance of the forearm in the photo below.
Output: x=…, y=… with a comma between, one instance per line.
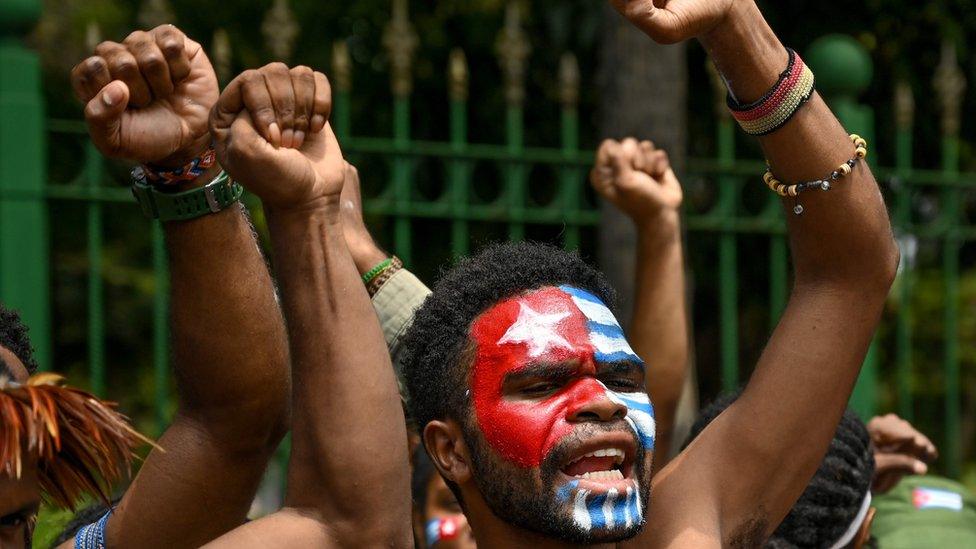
x=230, y=353
x=345, y=399
x=843, y=236
x=659, y=331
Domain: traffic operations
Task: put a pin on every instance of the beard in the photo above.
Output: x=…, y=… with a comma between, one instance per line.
x=528, y=498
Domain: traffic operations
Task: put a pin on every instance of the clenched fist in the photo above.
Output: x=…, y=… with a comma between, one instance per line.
x=636, y=178
x=271, y=133
x=899, y=450
x=148, y=98
x=670, y=21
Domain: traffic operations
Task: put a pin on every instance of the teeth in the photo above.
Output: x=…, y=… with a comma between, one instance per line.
x=603, y=475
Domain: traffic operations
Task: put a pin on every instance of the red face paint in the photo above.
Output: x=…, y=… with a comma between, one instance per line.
x=542, y=327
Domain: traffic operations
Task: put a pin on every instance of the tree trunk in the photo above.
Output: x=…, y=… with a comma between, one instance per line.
x=643, y=94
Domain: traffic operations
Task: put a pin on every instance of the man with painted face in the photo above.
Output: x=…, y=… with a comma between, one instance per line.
x=532, y=405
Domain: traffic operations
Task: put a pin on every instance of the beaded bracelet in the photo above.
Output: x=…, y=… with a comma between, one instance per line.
x=825, y=184
x=774, y=109
x=189, y=171
x=380, y=279
x=371, y=274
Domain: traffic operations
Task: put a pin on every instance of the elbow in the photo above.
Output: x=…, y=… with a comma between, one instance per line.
x=246, y=428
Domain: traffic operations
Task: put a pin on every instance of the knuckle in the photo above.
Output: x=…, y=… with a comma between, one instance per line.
x=275, y=67
x=136, y=36
x=152, y=61
x=171, y=48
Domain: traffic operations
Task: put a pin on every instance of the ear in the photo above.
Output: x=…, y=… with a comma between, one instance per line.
x=865, y=532
x=444, y=441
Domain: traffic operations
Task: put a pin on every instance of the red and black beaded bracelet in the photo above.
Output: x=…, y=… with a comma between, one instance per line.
x=774, y=109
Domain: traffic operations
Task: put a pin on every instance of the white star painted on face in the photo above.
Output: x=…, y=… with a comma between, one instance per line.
x=536, y=330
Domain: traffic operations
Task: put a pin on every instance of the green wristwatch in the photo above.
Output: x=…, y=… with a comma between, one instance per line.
x=211, y=198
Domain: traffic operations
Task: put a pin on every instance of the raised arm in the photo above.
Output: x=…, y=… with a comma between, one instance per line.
x=348, y=481
x=751, y=464
x=638, y=180
x=148, y=100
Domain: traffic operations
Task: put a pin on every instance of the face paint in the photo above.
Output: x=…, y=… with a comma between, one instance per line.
x=548, y=326
x=442, y=529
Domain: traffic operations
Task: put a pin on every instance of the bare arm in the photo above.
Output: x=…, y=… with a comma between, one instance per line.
x=639, y=181
x=228, y=340
x=844, y=260
x=348, y=476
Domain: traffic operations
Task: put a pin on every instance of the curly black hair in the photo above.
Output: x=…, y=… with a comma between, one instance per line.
x=13, y=336
x=434, y=347
x=834, y=496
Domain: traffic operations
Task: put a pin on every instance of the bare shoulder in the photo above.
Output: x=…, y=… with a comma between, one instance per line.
x=285, y=529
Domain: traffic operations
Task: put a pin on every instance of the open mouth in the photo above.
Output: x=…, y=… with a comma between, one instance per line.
x=602, y=464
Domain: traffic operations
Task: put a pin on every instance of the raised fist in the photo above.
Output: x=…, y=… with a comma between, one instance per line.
x=670, y=21
x=271, y=133
x=148, y=98
x=636, y=178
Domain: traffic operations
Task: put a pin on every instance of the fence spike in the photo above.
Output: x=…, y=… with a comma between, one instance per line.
x=719, y=91
x=904, y=105
x=154, y=13
x=513, y=48
x=569, y=80
x=93, y=36
x=280, y=30
x=950, y=84
x=457, y=75
x=400, y=40
x=222, y=56
x=341, y=66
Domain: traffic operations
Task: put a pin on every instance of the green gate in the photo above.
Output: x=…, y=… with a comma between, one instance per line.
x=27, y=194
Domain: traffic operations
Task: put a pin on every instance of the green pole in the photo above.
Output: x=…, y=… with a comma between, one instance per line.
x=160, y=328
x=96, y=302
x=904, y=107
x=401, y=179
x=950, y=266
x=844, y=70
x=458, y=170
x=569, y=175
x=24, y=278
x=515, y=172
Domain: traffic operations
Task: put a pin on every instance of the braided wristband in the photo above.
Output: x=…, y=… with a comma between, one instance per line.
x=780, y=103
x=371, y=274
x=385, y=275
x=825, y=184
x=189, y=171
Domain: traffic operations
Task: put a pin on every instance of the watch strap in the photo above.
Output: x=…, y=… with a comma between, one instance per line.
x=213, y=197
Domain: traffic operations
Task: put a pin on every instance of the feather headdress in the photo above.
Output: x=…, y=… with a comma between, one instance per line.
x=81, y=444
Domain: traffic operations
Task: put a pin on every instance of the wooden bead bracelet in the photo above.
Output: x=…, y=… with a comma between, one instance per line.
x=825, y=184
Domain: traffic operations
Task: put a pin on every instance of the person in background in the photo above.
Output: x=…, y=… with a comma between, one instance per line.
x=438, y=521
x=925, y=511
x=148, y=100
x=57, y=443
x=836, y=509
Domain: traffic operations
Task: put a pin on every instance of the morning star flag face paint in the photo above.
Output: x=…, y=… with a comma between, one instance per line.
x=610, y=510
x=564, y=328
x=442, y=529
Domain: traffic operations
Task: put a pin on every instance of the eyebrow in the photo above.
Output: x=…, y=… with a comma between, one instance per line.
x=620, y=367
x=545, y=370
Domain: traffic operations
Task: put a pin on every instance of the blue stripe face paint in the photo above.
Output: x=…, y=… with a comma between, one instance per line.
x=612, y=510
x=606, y=335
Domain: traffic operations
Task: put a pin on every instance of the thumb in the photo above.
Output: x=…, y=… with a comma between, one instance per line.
x=104, y=116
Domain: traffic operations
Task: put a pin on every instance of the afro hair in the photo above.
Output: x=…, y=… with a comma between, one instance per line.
x=434, y=348
x=13, y=336
x=834, y=496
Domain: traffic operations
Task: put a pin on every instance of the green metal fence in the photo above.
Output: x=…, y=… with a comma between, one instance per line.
x=26, y=194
